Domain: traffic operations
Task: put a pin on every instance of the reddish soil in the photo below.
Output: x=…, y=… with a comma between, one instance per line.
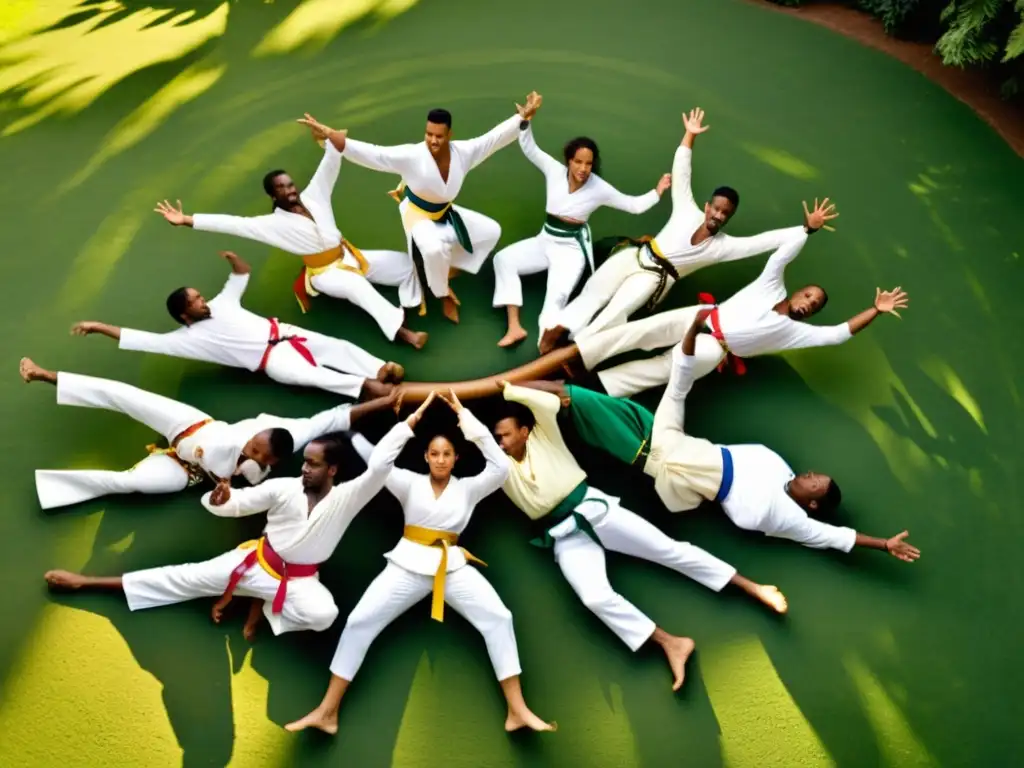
x=974, y=88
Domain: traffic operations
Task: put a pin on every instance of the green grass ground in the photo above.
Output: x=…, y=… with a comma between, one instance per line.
x=108, y=108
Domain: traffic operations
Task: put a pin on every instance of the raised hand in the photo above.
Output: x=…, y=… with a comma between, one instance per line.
x=414, y=418
x=663, y=184
x=84, y=328
x=890, y=301
x=693, y=122
x=229, y=255
x=900, y=549
x=221, y=493
x=533, y=102
x=815, y=220
x=319, y=130
x=175, y=216
x=453, y=401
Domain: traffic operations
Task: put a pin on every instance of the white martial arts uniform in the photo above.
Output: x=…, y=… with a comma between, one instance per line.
x=236, y=337
x=562, y=255
x=748, y=321
x=437, y=242
x=757, y=499
x=409, y=574
x=300, y=535
x=214, y=448
x=622, y=285
x=546, y=476
x=299, y=235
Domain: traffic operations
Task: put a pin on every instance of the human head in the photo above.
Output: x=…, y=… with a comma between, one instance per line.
x=268, y=447
x=439, y=130
x=807, y=301
x=720, y=208
x=582, y=158
x=817, y=493
x=440, y=456
x=513, y=429
x=321, y=461
x=282, y=190
x=187, y=306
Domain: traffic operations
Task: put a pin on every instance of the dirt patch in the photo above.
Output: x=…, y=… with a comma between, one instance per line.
x=973, y=87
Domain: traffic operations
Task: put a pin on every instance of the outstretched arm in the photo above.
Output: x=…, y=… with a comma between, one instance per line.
x=897, y=546
x=547, y=165
x=682, y=164
x=885, y=302
x=543, y=405
x=392, y=401
x=635, y=204
x=497, y=468
x=87, y=327
x=225, y=501
x=554, y=387
x=504, y=133
x=326, y=175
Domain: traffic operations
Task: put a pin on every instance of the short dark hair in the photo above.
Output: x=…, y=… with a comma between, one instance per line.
x=824, y=298
x=282, y=444
x=830, y=502
x=582, y=142
x=729, y=194
x=518, y=412
x=440, y=117
x=177, y=304
x=333, y=448
x=268, y=184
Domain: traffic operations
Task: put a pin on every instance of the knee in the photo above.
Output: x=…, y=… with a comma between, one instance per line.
x=600, y=601
x=322, y=617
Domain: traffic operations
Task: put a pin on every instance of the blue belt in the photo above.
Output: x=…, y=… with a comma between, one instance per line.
x=727, y=475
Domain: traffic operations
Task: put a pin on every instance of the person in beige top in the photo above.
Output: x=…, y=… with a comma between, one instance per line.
x=580, y=522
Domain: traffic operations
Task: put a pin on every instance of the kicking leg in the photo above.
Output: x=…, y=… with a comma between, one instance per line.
x=354, y=287
x=289, y=367
x=475, y=599
x=157, y=473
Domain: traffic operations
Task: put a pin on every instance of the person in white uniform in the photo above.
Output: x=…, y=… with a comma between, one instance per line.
x=222, y=331
x=307, y=517
x=444, y=235
x=428, y=560
x=303, y=224
x=564, y=246
x=641, y=273
x=760, y=319
x=580, y=522
x=758, y=491
x=198, y=446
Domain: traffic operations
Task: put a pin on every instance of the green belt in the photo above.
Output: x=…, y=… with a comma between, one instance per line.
x=555, y=227
x=451, y=216
x=567, y=508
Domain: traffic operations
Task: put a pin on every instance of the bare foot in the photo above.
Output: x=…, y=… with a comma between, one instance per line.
x=217, y=612
x=31, y=372
x=772, y=597
x=65, y=579
x=372, y=389
x=526, y=719
x=325, y=721
x=391, y=373
x=678, y=650
x=450, y=308
x=550, y=339
x=514, y=336
x=250, y=627
x=415, y=339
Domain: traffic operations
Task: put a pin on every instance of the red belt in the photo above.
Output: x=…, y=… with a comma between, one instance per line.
x=716, y=331
x=272, y=563
x=298, y=344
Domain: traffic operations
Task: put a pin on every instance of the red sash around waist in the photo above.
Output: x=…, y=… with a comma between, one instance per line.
x=716, y=331
x=271, y=562
x=298, y=344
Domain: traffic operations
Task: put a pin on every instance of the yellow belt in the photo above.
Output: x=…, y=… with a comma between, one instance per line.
x=396, y=195
x=258, y=543
x=442, y=539
x=320, y=262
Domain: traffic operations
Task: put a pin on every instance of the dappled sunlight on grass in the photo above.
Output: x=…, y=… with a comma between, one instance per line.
x=761, y=725
x=898, y=745
x=781, y=161
x=64, y=70
x=942, y=374
x=314, y=23
x=77, y=692
x=258, y=740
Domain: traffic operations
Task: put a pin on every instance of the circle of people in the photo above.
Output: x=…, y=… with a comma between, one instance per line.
x=525, y=453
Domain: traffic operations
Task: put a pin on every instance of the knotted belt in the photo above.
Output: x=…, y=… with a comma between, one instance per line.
x=430, y=537
x=316, y=263
x=738, y=366
x=261, y=552
x=298, y=343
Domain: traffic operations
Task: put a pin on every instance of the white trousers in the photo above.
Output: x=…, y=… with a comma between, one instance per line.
x=616, y=290
x=664, y=329
x=582, y=562
x=441, y=250
x=396, y=590
x=560, y=256
x=342, y=367
x=156, y=473
x=308, y=603
x=391, y=268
